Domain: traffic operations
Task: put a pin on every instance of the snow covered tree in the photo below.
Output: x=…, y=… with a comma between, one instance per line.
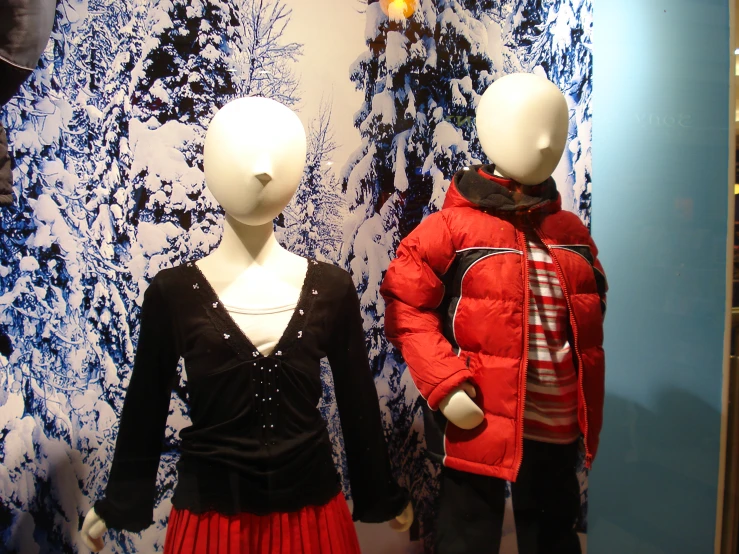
x=422, y=78
x=47, y=276
x=184, y=72
x=263, y=61
x=311, y=224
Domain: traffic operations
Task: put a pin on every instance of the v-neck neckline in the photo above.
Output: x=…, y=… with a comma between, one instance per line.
x=294, y=327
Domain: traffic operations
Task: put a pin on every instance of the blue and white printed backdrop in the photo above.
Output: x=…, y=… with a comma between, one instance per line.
x=107, y=143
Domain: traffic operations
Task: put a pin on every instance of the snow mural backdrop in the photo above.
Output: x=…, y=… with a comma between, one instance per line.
x=107, y=143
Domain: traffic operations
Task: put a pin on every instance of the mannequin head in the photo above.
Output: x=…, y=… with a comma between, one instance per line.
x=522, y=122
x=255, y=151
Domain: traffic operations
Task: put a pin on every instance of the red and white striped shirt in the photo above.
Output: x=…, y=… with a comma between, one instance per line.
x=551, y=385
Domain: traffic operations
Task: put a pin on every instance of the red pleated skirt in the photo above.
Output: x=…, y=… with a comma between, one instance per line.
x=326, y=529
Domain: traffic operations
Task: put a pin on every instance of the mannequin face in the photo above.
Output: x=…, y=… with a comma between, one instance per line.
x=522, y=122
x=254, y=156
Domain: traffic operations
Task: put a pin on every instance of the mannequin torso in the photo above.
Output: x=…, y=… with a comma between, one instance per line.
x=263, y=325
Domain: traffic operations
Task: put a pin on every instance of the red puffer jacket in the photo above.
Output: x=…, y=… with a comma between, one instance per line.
x=457, y=307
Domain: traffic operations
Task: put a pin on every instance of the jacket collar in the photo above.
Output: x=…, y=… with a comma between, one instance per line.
x=479, y=187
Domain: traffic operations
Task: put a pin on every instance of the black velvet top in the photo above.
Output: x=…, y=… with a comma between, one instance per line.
x=257, y=442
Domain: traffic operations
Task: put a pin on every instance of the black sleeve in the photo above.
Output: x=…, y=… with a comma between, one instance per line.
x=377, y=496
x=131, y=491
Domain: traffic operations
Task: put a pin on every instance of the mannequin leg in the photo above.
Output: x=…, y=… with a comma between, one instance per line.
x=471, y=510
x=560, y=500
x=526, y=509
x=546, y=499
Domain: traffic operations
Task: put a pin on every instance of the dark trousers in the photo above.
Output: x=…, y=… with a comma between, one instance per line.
x=546, y=504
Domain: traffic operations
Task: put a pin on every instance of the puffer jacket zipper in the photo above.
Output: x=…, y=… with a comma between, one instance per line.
x=527, y=338
x=576, y=340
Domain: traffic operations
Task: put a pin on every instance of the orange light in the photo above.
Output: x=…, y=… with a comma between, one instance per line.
x=398, y=10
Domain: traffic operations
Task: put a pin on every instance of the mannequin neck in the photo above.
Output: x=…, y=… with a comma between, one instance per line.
x=243, y=245
x=498, y=173
x=250, y=268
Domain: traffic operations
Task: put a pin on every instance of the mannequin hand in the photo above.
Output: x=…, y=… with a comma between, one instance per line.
x=404, y=521
x=460, y=409
x=93, y=529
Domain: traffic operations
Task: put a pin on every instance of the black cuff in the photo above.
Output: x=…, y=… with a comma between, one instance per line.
x=115, y=518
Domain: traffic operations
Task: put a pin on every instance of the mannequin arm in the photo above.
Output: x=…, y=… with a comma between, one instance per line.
x=93, y=529
x=413, y=291
x=130, y=494
x=377, y=496
x=460, y=409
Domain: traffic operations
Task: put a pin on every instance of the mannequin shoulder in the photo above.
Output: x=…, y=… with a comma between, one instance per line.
x=333, y=275
x=458, y=217
x=336, y=282
x=443, y=232
x=433, y=225
x=172, y=280
x=565, y=226
x=435, y=220
x=170, y=274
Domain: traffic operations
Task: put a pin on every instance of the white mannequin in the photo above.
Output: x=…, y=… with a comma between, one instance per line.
x=522, y=122
x=254, y=156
